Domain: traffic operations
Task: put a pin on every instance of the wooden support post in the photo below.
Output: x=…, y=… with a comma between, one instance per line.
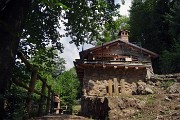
x=110, y=87
x=42, y=98
x=126, y=67
x=31, y=90
x=115, y=67
x=48, y=101
x=122, y=84
x=52, y=103
x=116, y=86
x=136, y=68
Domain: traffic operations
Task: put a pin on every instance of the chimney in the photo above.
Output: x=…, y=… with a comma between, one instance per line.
x=124, y=35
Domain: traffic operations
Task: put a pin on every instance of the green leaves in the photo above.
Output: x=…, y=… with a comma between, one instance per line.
x=86, y=19
x=69, y=86
x=111, y=30
x=155, y=24
x=54, y=3
x=169, y=61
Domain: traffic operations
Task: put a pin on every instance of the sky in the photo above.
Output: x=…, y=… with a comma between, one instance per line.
x=71, y=52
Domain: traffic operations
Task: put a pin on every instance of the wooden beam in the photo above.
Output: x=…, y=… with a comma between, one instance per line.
x=115, y=67
x=136, y=68
x=110, y=87
x=104, y=66
x=42, y=99
x=48, y=101
x=26, y=62
x=116, y=87
x=126, y=67
x=122, y=85
x=31, y=90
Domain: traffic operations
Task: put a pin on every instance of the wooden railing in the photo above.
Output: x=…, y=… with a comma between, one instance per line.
x=31, y=90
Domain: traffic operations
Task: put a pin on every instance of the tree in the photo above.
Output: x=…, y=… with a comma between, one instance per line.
x=149, y=26
x=85, y=24
x=49, y=62
x=69, y=87
x=169, y=60
x=12, y=16
x=111, y=30
x=38, y=31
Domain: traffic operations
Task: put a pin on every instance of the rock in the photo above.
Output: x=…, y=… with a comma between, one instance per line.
x=158, y=83
x=128, y=111
x=148, y=90
x=177, y=107
x=144, y=88
x=134, y=88
x=173, y=96
x=141, y=104
x=159, y=117
x=167, y=98
x=175, y=88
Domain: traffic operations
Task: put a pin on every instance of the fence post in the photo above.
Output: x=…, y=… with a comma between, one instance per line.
x=31, y=90
x=52, y=103
x=41, y=101
x=48, y=100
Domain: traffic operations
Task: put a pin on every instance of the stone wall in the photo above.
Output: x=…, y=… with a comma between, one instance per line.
x=94, y=107
x=113, y=108
x=110, y=81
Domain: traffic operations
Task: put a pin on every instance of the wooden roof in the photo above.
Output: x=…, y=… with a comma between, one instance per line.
x=80, y=64
x=86, y=52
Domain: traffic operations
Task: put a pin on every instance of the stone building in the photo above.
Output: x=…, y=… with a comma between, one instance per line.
x=112, y=68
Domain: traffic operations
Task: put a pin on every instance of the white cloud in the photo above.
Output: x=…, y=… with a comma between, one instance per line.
x=71, y=52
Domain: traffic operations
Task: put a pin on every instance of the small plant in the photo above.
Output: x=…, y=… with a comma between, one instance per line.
x=167, y=84
x=150, y=99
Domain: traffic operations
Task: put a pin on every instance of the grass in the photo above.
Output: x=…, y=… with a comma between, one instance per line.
x=76, y=109
x=167, y=84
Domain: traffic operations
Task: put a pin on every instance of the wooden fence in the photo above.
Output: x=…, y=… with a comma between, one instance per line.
x=31, y=90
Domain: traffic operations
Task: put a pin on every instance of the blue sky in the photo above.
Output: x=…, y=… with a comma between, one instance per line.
x=71, y=52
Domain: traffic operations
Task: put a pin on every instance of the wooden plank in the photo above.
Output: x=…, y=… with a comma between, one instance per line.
x=42, y=99
x=52, y=103
x=23, y=58
x=116, y=86
x=48, y=101
x=31, y=90
x=110, y=87
x=122, y=84
x=21, y=84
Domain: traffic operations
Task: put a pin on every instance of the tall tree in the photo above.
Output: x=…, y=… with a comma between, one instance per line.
x=40, y=28
x=69, y=87
x=149, y=26
x=170, y=58
x=12, y=15
x=111, y=30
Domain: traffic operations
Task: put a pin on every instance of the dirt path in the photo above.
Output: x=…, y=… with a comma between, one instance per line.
x=60, y=117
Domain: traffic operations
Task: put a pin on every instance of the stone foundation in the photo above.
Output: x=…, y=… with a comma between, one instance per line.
x=94, y=107
x=110, y=107
x=110, y=81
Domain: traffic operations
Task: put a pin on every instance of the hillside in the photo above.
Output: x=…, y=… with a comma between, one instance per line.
x=162, y=104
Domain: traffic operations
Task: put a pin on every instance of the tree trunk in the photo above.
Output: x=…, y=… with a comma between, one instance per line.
x=12, y=15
